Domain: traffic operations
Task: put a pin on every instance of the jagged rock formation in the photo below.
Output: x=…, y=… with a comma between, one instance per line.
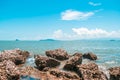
x=58, y=54
x=76, y=59
x=47, y=67
x=43, y=62
x=114, y=73
x=16, y=55
x=90, y=56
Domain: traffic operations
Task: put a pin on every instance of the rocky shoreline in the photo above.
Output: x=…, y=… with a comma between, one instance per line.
x=56, y=65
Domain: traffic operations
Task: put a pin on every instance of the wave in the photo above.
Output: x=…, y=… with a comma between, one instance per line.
x=104, y=70
x=110, y=62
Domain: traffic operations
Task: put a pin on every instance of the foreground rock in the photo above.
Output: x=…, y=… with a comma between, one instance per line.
x=114, y=73
x=53, y=74
x=73, y=62
x=64, y=75
x=8, y=71
x=90, y=56
x=28, y=73
x=47, y=67
x=58, y=54
x=44, y=62
x=17, y=56
x=90, y=72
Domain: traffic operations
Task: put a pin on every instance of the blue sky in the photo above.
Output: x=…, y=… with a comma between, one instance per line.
x=59, y=19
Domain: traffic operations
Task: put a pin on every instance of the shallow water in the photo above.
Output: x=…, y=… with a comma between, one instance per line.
x=108, y=52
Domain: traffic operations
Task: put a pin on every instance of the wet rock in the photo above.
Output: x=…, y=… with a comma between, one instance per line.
x=73, y=62
x=28, y=78
x=64, y=75
x=90, y=56
x=17, y=56
x=43, y=62
x=90, y=72
x=29, y=73
x=58, y=54
x=114, y=73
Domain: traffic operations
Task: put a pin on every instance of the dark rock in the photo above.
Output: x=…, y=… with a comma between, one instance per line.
x=90, y=56
x=73, y=62
x=17, y=56
x=43, y=62
x=58, y=54
x=90, y=72
x=64, y=75
x=24, y=54
x=114, y=73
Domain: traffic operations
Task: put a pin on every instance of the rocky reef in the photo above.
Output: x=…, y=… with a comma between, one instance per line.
x=56, y=65
x=114, y=73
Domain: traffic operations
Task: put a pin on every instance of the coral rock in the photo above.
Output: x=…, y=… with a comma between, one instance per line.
x=90, y=72
x=114, y=73
x=43, y=62
x=73, y=62
x=58, y=54
x=90, y=56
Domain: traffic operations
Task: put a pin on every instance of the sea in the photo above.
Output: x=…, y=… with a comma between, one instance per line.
x=107, y=51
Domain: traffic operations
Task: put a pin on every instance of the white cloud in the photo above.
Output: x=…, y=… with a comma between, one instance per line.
x=94, y=4
x=85, y=33
x=95, y=33
x=59, y=34
x=75, y=15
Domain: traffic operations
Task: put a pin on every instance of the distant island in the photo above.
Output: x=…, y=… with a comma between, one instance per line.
x=17, y=40
x=48, y=40
x=112, y=40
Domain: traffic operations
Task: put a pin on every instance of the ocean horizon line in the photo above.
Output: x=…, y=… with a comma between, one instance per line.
x=64, y=40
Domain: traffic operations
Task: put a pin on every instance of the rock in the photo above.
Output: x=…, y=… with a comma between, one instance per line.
x=43, y=62
x=90, y=72
x=24, y=54
x=29, y=73
x=90, y=56
x=73, y=62
x=64, y=75
x=58, y=54
x=17, y=56
x=46, y=69
x=8, y=71
x=114, y=73
x=3, y=75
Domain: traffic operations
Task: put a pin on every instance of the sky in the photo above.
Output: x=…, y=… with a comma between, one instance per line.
x=59, y=19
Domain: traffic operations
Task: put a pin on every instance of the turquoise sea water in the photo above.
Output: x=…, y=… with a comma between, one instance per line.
x=108, y=52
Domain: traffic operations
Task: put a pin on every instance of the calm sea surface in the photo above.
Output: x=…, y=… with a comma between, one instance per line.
x=107, y=51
